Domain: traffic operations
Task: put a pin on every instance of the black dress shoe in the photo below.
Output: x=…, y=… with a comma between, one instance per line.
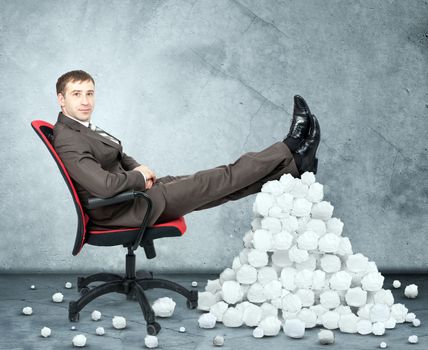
x=299, y=124
x=305, y=154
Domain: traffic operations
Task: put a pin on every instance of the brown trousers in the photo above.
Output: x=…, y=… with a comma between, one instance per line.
x=212, y=187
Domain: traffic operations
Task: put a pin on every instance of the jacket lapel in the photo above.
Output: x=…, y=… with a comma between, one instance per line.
x=87, y=131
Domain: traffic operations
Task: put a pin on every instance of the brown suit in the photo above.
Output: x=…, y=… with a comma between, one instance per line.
x=99, y=168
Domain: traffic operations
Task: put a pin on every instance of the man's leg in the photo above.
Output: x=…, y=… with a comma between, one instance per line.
x=256, y=187
x=212, y=187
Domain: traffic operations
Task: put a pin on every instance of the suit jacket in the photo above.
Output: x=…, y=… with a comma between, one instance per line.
x=100, y=168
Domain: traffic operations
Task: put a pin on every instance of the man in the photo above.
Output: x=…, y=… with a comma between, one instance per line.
x=99, y=167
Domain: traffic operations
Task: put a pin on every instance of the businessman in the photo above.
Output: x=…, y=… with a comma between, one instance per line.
x=99, y=168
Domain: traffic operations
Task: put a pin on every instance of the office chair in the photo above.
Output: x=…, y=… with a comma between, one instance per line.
x=132, y=284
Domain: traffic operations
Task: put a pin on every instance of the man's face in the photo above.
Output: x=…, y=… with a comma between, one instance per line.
x=78, y=100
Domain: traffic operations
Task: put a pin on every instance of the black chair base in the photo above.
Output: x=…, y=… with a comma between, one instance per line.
x=133, y=286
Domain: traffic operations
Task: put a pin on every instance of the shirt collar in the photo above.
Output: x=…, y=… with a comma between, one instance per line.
x=83, y=123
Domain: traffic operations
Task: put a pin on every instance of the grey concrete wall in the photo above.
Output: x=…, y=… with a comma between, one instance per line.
x=188, y=85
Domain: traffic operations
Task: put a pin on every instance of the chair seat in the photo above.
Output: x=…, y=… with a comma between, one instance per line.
x=100, y=236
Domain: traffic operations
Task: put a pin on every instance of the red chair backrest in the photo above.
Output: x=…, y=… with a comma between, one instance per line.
x=45, y=132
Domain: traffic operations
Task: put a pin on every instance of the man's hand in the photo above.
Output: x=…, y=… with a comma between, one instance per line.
x=148, y=173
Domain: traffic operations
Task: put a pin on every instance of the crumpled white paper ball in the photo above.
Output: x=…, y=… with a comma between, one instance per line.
x=164, y=307
x=298, y=255
x=68, y=285
x=330, y=299
x=252, y=315
x=218, y=310
x=27, y=311
x=379, y=313
x=258, y=258
x=255, y=293
x=207, y=320
x=413, y=339
x=262, y=240
x=282, y=241
x=308, y=316
x=348, y=323
x=273, y=225
x=326, y=337
x=396, y=284
x=45, y=332
x=294, y=328
x=316, y=225
x=280, y=259
x=308, y=178
x=258, y=332
x=290, y=224
x=384, y=296
x=274, y=186
x=364, y=327
x=378, y=328
x=390, y=323
x=119, y=322
x=357, y=263
x=303, y=279
x=213, y=286
x=227, y=274
x=151, y=341
x=236, y=263
x=399, y=312
x=329, y=243
x=335, y=225
x=308, y=240
x=372, y=282
x=315, y=193
x=218, y=340
x=330, y=263
x=301, y=207
x=299, y=189
x=356, y=297
x=262, y=204
x=411, y=291
x=340, y=280
x=233, y=317
x=285, y=202
x=291, y=303
x=270, y=325
x=79, y=340
x=268, y=310
x=307, y=297
x=95, y=315
x=232, y=292
x=100, y=331
x=322, y=210
x=57, y=297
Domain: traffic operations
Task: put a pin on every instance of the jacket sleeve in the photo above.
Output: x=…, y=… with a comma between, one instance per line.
x=128, y=162
x=87, y=171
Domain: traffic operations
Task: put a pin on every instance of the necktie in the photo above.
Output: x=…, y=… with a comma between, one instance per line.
x=103, y=133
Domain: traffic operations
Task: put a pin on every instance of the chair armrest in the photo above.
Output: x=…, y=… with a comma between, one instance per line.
x=96, y=202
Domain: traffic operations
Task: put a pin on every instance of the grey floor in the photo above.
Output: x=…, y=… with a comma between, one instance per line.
x=23, y=332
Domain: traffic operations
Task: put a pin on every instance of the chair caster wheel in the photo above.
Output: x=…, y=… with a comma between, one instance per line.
x=191, y=304
x=73, y=317
x=84, y=290
x=153, y=328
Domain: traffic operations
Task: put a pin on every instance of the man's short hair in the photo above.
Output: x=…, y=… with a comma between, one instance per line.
x=72, y=76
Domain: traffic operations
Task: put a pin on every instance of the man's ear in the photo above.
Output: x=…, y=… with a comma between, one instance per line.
x=61, y=98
